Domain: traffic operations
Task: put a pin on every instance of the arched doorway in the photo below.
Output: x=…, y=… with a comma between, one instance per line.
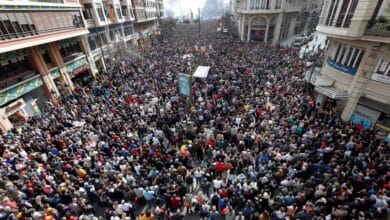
x=258, y=28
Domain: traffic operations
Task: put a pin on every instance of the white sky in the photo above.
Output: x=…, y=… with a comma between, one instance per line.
x=185, y=6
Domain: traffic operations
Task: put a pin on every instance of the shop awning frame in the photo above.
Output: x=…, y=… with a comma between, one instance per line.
x=332, y=92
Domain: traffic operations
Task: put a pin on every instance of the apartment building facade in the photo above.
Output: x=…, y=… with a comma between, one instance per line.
x=45, y=45
x=41, y=53
x=355, y=76
x=110, y=26
x=147, y=13
x=273, y=21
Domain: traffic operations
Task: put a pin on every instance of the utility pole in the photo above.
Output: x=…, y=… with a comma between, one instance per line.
x=100, y=40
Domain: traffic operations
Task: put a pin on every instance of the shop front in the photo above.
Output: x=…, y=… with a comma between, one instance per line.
x=330, y=98
x=20, y=102
x=373, y=114
x=78, y=68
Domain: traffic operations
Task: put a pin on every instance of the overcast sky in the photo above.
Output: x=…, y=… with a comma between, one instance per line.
x=185, y=6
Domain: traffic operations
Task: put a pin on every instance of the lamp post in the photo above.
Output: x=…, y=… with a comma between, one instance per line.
x=100, y=40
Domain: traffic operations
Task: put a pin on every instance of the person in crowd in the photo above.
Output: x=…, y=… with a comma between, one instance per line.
x=250, y=142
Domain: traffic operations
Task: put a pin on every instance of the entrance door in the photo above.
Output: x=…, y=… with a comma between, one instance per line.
x=257, y=34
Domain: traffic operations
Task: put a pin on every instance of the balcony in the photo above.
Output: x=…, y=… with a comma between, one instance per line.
x=340, y=28
x=258, y=10
x=90, y=23
x=37, y=27
x=379, y=27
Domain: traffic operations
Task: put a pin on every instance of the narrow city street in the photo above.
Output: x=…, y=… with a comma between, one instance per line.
x=209, y=116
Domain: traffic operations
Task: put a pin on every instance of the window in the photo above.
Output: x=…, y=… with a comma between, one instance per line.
x=100, y=12
x=383, y=67
x=118, y=11
x=92, y=41
x=124, y=10
x=339, y=13
x=128, y=30
x=88, y=11
x=45, y=56
x=346, y=58
x=5, y=69
x=69, y=48
x=6, y=23
x=112, y=36
x=20, y=65
x=382, y=71
x=278, y=4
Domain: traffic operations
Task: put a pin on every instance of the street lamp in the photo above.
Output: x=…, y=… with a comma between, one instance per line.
x=100, y=40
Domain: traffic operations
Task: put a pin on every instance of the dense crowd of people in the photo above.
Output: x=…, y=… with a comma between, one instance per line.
x=249, y=143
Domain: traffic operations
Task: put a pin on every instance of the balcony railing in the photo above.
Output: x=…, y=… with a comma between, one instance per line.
x=90, y=22
x=379, y=27
x=339, y=23
x=52, y=22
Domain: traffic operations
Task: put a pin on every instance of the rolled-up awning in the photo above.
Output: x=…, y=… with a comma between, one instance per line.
x=332, y=92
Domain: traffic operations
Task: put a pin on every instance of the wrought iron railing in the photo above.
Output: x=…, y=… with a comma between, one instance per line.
x=378, y=27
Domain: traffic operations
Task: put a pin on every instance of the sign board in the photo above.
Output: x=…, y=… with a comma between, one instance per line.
x=364, y=115
x=14, y=107
x=381, y=78
x=201, y=72
x=184, y=85
x=341, y=67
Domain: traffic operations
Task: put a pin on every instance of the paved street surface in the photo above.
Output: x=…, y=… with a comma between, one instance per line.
x=144, y=131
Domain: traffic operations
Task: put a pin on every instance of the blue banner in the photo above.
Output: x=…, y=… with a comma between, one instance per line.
x=357, y=119
x=341, y=67
x=184, y=85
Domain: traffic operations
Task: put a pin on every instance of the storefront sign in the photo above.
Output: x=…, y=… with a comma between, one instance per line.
x=13, y=107
x=20, y=89
x=80, y=69
x=381, y=78
x=341, y=67
x=77, y=66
